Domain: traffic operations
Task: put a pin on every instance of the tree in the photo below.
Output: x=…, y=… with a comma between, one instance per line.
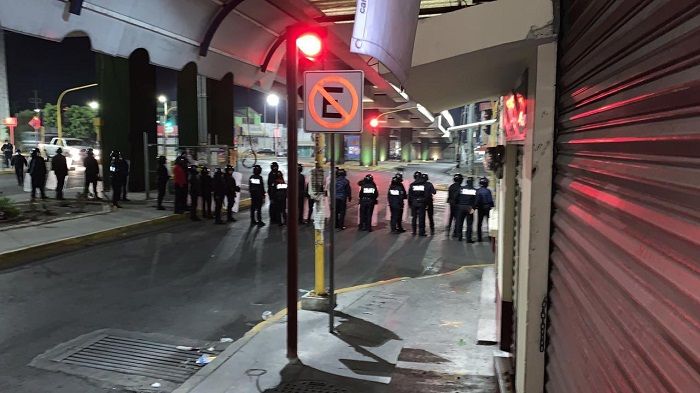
x=78, y=122
x=49, y=116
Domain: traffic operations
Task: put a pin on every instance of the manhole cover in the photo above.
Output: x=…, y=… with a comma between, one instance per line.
x=136, y=356
x=307, y=387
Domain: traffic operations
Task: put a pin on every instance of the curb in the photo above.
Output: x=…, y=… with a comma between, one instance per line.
x=19, y=256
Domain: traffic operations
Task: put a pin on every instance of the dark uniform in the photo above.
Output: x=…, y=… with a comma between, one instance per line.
x=466, y=202
x=368, y=198
x=19, y=162
x=60, y=169
x=429, y=192
x=195, y=192
x=343, y=195
x=280, y=197
x=219, y=188
x=271, y=179
x=300, y=191
x=257, y=196
x=205, y=187
x=124, y=172
x=484, y=203
x=162, y=182
x=418, y=200
x=396, y=196
x=37, y=170
x=231, y=190
x=452, y=194
x=92, y=173
x=116, y=176
x=7, y=150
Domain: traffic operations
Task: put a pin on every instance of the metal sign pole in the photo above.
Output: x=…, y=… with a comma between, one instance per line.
x=145, y=167
x=331, y=244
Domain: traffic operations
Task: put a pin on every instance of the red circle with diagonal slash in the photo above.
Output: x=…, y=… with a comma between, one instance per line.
x=347, y=116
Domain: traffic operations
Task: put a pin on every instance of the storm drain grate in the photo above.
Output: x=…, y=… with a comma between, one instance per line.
x=135, y=356
x=307, y=387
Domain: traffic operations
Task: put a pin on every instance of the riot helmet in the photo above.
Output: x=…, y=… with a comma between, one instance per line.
x=458, y=178
x=300, y=168
x=18, y=151
x=274, y=166
x=257, y=169
x=484, y=182
x=417, y=175
x=470, y=181
x=35, y=152
x=205, y=171
x=193, y=169
x=369, y=178
x=114, y=154
x=229, y=169
x=59, y=151
x=90, y=152
x=425, y=176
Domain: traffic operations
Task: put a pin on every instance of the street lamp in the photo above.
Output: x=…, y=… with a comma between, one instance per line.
x=274, y=100
x=94, y=105
x=59, y=122
x=164, y=100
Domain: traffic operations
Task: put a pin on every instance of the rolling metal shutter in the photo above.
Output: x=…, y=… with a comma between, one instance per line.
x=516, y=243
x=625, y=264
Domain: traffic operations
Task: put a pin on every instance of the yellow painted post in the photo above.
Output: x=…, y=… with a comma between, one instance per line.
x=316, y=192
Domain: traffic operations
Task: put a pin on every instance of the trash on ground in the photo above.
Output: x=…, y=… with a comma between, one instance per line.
x=155, y=385
x=205, y=359
x=266, y=315
x=226, y=340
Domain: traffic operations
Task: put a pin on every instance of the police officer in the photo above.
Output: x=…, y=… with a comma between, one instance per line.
x=180, y=180
x=429, y=192
x=60, y=169
x=484, y=204
x=257, y=196
x=219, y=187
x=7, y=149
x=195, y=191
x=396, y=196
x=19, y=162
x=37, y=170
x=206, y=188
x=301, y=193
x=116, y=176
x=162, y=182
x=231, y=190
x=271, y=180
x=452, y=194
x=368, y=198
x=466, y=203
x=280, y=197
x=124, y=172
x=418, y=200
x=343, y=195
x=92, y=173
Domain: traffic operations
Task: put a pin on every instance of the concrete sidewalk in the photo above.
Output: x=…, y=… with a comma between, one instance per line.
x=407, y=335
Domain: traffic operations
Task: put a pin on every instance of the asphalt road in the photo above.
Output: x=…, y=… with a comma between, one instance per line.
x=193, y=280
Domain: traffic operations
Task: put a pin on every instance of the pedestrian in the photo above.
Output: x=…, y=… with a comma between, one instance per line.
x=206, y=188
x=162, y=182
x=219, y=188
x=116, y=177
x=484, y=204
x=60, y=169
x=7, y=150
x=124, y=172
x=92, y=173
x=429, y=209
x=37, y=170
x=180, y=183
x=417, y=200
x=257, y=196
x=195, y=190
x=301, y=195
x=368, y=198
x=311, y=203
x=343, y=195
x=396, y=195
x=452, y=194
x=466, y=203
x=271, y=181
x=280, y=196
x=231, y=190
x=19, y=162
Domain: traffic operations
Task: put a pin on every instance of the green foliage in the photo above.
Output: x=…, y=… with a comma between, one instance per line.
x=23, y=118
x=49, y=115
x=78, y=122
x=8, y=209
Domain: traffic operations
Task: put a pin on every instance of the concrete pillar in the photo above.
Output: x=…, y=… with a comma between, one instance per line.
x=424, y=149
x=339, y=147
x=383, y=144
x=366, y=149
x=142, y=118
x=220, y=109
x=406, y=139
x=4, y=92
x=536, y=203
x=187, y=106
x=114, y=97
x=202, y=109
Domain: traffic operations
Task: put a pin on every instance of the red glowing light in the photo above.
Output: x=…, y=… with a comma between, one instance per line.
x=515, y=117
x=309, y=44
x=374, y=122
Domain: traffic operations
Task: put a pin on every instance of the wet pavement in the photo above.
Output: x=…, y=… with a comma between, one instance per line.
x=194, y=280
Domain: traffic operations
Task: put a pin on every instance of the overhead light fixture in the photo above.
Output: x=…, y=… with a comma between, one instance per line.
x=425, y=113
x=471, y=125
x=424, y=132
x=404, y=121
x=366, y=99
x=446, y=114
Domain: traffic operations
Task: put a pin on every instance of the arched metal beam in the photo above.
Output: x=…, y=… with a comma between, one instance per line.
x=215, y=23
x=272, y=50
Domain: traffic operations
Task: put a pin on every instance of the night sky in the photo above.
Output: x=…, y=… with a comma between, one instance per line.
x=51, y=67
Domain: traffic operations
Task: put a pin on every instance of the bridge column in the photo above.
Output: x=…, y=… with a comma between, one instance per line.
x=406, y=138
x=187, y=109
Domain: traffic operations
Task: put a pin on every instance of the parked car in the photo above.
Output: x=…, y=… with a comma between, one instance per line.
x=74, y=147
x=266, y=151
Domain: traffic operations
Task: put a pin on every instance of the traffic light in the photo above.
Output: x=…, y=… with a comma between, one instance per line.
x=374, y=122
x=310, y=44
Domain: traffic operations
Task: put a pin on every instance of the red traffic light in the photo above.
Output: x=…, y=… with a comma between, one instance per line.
x=310, y=44
x=374, y=122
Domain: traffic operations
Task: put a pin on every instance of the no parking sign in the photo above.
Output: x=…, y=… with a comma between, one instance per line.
x=333, y=101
